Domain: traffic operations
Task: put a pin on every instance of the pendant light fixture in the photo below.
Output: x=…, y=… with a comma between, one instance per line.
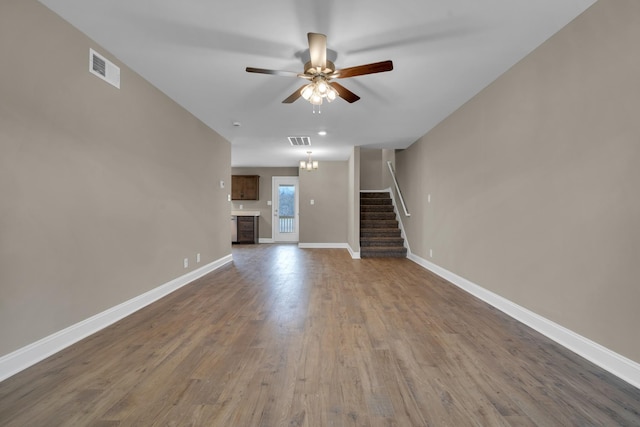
x=309, y=165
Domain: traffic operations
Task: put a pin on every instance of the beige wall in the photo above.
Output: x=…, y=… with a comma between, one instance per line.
x=323, y=222
x=266, y=194
x=370, y=169
x=388, y=155
x=374, y=172
x=104, y=191
x=326, y=220
x=534, y=182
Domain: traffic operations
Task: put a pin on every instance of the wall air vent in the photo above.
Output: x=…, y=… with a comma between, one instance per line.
x=103, y=68
x=300, y=141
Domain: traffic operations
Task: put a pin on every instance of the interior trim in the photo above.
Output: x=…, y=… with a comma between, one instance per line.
x=354, y=254
x=33, y=353
x=620, y=366
x=323, y=245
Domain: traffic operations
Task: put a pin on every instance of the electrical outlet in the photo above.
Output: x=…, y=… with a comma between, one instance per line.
x=186, y=263
x=313, y=202
x=198, y=257
x=430, y=253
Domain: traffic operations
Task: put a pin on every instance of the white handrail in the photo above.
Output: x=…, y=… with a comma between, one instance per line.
x=393, y=175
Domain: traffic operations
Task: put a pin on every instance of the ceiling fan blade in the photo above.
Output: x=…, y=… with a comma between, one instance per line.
x=318, y=50
x=344, y=93
x=274, y=72
x=360, y=70
x=294, y=96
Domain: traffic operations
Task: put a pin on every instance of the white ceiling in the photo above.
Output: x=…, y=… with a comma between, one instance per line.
x=196, y=51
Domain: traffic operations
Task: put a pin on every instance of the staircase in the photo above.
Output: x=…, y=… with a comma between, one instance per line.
x=379, y=232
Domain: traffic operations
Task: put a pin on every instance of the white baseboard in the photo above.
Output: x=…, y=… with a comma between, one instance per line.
x=354, y=254
x=33, y=353
x=323, y=245
x=620, y=366
x=265, y=240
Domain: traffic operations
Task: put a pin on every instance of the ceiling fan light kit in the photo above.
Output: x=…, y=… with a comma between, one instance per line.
x=318, y=90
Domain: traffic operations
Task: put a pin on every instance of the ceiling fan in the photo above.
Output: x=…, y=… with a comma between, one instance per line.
x=321, y=72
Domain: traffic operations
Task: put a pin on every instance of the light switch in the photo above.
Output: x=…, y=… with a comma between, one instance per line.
x=313, y=202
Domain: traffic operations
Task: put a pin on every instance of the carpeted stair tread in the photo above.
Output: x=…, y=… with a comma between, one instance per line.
x=376, y=201
x=378, y=223
x=382, y=232
x=376, y=208
x=375, y=195
x=377, y=215
x=382, y=241
x=383, y=252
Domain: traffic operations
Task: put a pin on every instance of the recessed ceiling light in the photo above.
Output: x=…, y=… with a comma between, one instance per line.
x=322, y=133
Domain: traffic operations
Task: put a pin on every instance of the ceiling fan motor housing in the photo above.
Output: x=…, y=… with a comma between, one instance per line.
x=311, y=70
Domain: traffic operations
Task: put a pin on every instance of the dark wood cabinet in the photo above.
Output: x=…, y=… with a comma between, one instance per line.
x=247, y=229
x=245, y=187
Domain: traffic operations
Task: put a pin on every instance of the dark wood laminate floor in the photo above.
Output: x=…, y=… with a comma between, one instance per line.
x=310, y=337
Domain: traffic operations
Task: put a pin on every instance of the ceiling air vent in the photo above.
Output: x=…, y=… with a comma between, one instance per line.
x=300, y=141
x=103, y=68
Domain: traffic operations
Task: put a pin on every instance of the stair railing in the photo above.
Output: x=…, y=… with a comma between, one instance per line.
x=395, y=181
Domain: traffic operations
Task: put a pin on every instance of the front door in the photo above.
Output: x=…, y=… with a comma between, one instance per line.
x=285, y=209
